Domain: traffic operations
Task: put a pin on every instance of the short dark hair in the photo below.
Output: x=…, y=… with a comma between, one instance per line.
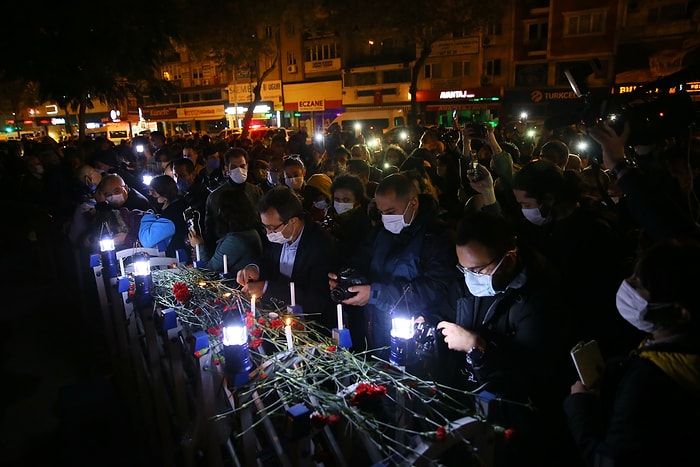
x=293, y=161
x=399, y=184
x=235, y=213
x=358, y=166
x=283, y=200
x=541, y=177
x=165, y=186
x=352, y=183
x=492, y=231
x=233, y=153
x=183, y=162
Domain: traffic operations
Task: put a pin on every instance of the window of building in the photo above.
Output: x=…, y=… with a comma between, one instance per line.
x=460, y=69
x=290, y=28
x=670, y=12
x=322, y=51
x=427, y=71
x=584, y=23
x=536, y=31
x=402, y=75
x=494, y=29
x=361, y=79
x=197, y=72
x=291, y=58
x=492, y=67
x=531, y=74
x=269, y=32
x=171, y=72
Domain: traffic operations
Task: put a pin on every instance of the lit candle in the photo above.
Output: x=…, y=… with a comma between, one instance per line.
x=252, y=304
x=196, y=249
x=121, y=266
x=340, y=316
x=225, y=264
x=292, y=295
x=288, y=334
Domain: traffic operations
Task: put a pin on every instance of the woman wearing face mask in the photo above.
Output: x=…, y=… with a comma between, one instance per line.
x=583, y=241
x=646, y=407
x=508, y=339
x=164, y=190
x=316, y=197
x=294, y=173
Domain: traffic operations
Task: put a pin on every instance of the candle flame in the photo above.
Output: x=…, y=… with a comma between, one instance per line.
x=289, y=321
x=227, y=294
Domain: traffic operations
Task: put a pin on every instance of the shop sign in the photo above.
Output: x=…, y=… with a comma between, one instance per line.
x=312, y=105
x=466, y=45
x=209, y=112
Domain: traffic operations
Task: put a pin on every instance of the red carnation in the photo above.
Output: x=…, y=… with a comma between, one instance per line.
x=198, y=311
x=317, y=420
x=214, y=331
x=441, y=433
x=333, y=419
x=331, y=348
x=181, y=292
x=255, y=343
x=261, y=320
x=257, y=332
x=276, y=323
x=367, y=393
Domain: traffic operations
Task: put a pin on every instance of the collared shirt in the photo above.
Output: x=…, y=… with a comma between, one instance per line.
x=289, y=254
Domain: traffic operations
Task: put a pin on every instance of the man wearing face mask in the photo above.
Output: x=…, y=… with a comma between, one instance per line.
x=236, y=171
x=189, y=186
x=121, y=208
x=510, y=337
x=298, y=250
x=409, y=261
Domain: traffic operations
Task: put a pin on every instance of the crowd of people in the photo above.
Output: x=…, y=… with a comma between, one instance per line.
x=512, y=254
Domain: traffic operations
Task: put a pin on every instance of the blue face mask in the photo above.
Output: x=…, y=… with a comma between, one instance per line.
x=213, y=164
x=183, y=185
x=481, y=285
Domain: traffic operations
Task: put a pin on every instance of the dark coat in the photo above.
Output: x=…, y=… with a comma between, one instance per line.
x=421, y=258
x=315, y=258
x=643, y=416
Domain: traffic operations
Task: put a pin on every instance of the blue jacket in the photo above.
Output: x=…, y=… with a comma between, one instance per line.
x=420, y=259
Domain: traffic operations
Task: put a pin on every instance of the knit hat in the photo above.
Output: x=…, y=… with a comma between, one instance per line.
x=322, y=183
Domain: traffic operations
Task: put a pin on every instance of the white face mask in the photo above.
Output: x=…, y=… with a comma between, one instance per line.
x=278, y=237
x=535, y=216
x=632, y=307
x=294, y=183
x=238, y=175
x=116, y=199
x=342, y=207
x=481, y=285
x=394, y=223
x=323, y=204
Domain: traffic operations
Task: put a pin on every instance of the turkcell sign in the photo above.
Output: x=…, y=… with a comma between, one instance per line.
x=312, y=105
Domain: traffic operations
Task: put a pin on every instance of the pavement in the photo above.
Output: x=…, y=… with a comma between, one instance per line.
x=61, y=405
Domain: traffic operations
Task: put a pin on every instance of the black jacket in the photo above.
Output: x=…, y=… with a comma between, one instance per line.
x=315, y=258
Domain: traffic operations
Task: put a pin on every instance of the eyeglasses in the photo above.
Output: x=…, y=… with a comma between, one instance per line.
x=270, y=228
x=479, y=269
x=476, y=269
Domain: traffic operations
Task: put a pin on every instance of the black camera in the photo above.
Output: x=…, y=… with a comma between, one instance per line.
x=347, y=277
x=478, y=130
x=192, y=217
x=653, y=111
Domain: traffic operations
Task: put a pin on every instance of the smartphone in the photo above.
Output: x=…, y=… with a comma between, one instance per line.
x=589, y=362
